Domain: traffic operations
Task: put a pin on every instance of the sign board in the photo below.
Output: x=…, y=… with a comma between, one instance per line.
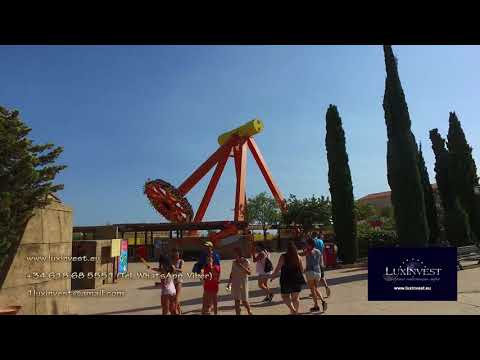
x=396, y=274
x=115, y=248
x=123, y=260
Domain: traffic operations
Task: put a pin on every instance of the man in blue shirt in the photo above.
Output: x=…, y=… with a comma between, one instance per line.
x=317, y=239
x=202, y=261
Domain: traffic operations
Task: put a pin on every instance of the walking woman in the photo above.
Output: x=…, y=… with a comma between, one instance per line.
x=239, y=281
x=264, y=269
x=177, y=263
x=291, y=277
x=313, y=273
x=320, y=245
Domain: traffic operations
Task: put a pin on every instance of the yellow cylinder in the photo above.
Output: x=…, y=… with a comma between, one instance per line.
x=251, y=128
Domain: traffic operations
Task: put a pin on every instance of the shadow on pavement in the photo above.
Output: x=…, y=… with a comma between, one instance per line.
x=354, y=269
x=252, y=294
x=265, y=304
x=149, y=287
x=228, y=297
x=347, y=279
x=197, y=311
x=159, y=307
x=222, y=281
x=200, y=283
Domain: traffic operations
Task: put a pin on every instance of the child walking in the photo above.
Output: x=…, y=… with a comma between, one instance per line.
x=167, y=287
x=211, y=274
x=177, y=262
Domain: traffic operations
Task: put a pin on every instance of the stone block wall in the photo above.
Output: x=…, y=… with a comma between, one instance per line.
x=48, y=234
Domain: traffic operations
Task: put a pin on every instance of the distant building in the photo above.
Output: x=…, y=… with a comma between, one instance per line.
x=382, y=199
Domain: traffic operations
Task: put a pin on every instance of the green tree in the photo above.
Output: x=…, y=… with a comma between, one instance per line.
x=307, y=212
x=464, y=172
x=430, y=206
x=341, y=189
x=364, y=211
x=387, y=212
x=402, y=162
x=26, y=180
x=455, y=219
x=263, y=210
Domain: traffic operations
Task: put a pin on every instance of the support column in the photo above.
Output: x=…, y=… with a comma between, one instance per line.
x=212, y=186
x=240, y=156
x=266, y=173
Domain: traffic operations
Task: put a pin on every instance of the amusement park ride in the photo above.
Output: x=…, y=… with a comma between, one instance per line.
x=171, y=202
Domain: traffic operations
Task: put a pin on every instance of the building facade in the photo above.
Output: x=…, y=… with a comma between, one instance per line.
x=383, y=199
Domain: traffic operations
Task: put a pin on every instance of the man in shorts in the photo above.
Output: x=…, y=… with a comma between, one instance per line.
x=320, y=245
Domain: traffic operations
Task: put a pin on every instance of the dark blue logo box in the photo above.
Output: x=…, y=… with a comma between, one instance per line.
x=396, y=274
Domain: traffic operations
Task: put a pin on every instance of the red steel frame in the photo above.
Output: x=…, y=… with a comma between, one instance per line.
x=237, y=148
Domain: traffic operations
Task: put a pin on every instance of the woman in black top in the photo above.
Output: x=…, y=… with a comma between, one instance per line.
x=291, y=277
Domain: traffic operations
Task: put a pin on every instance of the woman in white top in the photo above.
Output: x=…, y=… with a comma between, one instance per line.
x=167, y=287
x=177, y=263
x=260, y=256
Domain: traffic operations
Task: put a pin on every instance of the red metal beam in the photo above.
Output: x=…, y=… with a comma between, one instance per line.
x=211, y=187
x=203, y=169
x=240, y=154
x=257, y=155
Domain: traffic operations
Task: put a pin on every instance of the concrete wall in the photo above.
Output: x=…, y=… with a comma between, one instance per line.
x=103, y=265
x=48, y=233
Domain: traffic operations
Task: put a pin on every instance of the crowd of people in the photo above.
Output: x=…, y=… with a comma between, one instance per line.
x=294, y=276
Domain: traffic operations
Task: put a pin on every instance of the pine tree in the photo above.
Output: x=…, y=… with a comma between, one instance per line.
x=341, y=189
x=455, y=219
x=402, y=162
x=464, y=172
x=430, y=207
x=26, y=176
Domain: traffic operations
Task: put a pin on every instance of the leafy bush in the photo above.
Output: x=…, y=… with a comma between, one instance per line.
x=372, y=237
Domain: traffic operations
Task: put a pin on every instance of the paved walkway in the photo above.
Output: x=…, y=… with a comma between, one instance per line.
x=349, y=296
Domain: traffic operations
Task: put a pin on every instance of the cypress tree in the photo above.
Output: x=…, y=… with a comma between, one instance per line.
x=402, y=162
x=464, y=172
x=430, y=208
x=455, y=219
x=341, y=189
x=27, y=172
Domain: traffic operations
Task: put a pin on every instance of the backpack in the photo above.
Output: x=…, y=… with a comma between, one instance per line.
x=268, y=264
x=197, y=268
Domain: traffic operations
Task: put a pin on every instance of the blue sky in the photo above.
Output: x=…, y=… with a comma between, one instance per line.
x=128, y=113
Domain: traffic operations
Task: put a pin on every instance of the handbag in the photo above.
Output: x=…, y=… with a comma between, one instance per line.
x=268, y=264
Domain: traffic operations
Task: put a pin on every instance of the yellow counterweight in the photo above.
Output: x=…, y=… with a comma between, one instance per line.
x=251, y=128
